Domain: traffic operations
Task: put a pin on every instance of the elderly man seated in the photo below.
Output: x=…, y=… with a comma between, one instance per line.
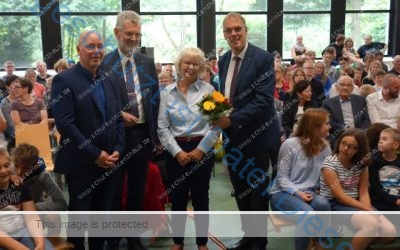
x=347, y=110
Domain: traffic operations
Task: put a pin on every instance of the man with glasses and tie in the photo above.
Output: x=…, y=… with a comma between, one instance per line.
x=138, y=82
x=346, y=110
x=247, y=78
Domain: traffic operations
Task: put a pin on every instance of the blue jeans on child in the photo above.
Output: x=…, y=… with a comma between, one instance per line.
x=291, y=205
x=24, y=238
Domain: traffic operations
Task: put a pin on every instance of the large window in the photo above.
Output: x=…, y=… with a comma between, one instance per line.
x=240, y=5
x=306, y=5
x=90, y=6
x=367, y=17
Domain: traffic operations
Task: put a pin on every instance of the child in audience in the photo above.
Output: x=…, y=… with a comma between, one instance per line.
x=299, y=162
x=378, y=79
x=344, y=182
x=384, y=172
x=17, y=231
x=28, y=166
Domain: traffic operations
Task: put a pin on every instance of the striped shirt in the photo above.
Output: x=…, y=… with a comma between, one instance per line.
x=348, y=178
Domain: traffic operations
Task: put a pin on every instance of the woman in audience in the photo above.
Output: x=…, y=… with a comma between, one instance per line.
x=297, y=76
x=300, y=160
x=39, y=89
x=61, y=65
x=344, y=182
x=281, y=86
x=300, y=101
x=26, y=108
x=373, y=69
x=320, y=75
x=187, y=144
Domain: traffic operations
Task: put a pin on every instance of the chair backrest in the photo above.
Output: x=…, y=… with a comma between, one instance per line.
x=38, y=136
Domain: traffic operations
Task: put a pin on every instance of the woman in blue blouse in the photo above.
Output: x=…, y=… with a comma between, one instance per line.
x=189, y=139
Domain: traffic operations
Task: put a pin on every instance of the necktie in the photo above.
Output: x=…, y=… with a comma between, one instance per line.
x=234, y=76
x=130, y=87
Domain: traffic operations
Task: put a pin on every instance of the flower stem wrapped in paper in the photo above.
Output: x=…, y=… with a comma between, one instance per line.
x=213, y=106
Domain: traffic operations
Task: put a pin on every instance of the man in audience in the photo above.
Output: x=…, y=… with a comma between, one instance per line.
x=338, y=45
x=370, y=47
x=347, y=110
x=90, y=150
x=9, y=68
x=317, y=90
x=42, y=75
x=239, y=68
x=139, y=100
x=384, y=105
x=396, y=66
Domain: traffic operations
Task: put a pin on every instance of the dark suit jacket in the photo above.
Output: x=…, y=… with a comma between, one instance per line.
x=289, y=114
x=84, y=131
x=254, y=119
x=148, y=85
x=318, y=92
x=360, y=112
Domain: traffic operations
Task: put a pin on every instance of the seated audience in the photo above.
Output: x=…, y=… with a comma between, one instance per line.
x=328, y=59
x=298, y=49
x=281, y=86
x=26, y=109
x=348, y=48
x=300, y=160
x=18, y=231
x=384, y=172
x=373, y=69
x=321, y=76
x=384, y=105
x=41, y=68
x=5, y=109
x=396, y=66
x=344, y=62
x=366, y=90
x=346, y=110
x=358, y=71
x=348, y=71
x=45, y=192
x=318, y=93
x=368, y=59
x=378, y=79
x=344, y=182
x=379, y=56
x=39, y=90
x=300, y=101
x=370, y=47
x=338, y=45
x=61, y=65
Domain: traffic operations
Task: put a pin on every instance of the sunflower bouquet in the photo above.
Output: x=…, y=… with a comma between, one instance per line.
x=213, y=106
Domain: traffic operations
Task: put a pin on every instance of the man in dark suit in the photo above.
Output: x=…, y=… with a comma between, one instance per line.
x=136, y=77
x=86, y=111
x=346, y=110
x=247, y=77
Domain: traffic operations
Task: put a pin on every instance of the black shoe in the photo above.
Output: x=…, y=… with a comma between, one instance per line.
x=243, y=244
x=135, y=244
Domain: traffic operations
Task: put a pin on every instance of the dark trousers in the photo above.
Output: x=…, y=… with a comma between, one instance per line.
x=195, y=179
x=250, y=198
x=98, y=198
x=138, y=151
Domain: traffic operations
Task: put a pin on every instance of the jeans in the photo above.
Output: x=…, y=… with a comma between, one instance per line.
x=286, y=202
x=23, y=237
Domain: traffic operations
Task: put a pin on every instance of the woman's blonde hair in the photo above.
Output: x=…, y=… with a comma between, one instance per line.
x=191, y=52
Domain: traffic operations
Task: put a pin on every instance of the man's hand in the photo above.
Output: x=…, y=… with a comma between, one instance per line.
x=196, y=155
x=113, y=158
x=223, y=122
x=103, y=160
x=129, y=119
x=183, y=158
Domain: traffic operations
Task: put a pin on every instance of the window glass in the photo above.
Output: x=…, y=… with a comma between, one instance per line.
x=313, y=27
x=21, y=5
x=90, y=6
x=168, y=35
x=306, y=5
x=20, y=40
x=360, y=24
x=240, y=5
x=367, y=5
x=171, y=5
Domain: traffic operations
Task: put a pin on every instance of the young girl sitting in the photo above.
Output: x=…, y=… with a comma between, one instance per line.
x=17, y=231
x=344, y=181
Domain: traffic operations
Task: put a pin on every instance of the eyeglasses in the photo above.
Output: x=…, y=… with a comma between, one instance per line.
x=349, y=146
x=132, y=34
x=230, y=30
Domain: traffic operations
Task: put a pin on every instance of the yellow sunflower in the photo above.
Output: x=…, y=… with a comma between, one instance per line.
x=218, y=97
x=208, y=105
